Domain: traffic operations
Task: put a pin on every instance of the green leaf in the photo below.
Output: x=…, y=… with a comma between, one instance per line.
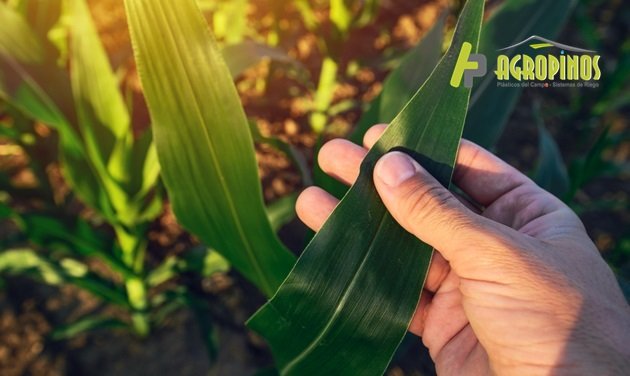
x=616, y=85
x=100, y=288
x=341, y=15
x=514, y=21
x=103, y=118
x=43, y=16
x=368, y=13
x=85, y=324
x=200, y=260
x=205, y=261
x=282, y=211
x=26, y=95
x=21, y=89
x=6, y=211
x=229, y=20
x=17, y=39
x=551, y=171
x=324, y=94
x=30, y=263
x=144, y=160
x=294, y=155
x=99, y=101
x=203, y=313
x=307, y=13
x=204, y=145
x=51, y=232
x=593, y=164
x=352, y=290
x=26, y=261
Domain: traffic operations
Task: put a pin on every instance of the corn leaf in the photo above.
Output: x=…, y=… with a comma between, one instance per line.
x=281, y=211
x=294, y=155
x=103, y=118
x=17, y=39
x=203, y=140
x=514, y=21
x=368, y=13
x=308, y=14
x=341, y=15
x=551, y=171
x=51, y=232
x=42, y=16
x=143, y=160
x=21, y=91
x=347, y=303
x=229, y=20
x=46, y=73
x=99, y=100
x=30, y=263
x=86, y=324
x=593, y=164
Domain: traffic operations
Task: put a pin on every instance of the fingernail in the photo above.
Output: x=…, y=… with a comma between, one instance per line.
x=394, y=168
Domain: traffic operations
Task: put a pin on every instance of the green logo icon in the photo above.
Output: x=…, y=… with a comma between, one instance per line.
x=468, y=66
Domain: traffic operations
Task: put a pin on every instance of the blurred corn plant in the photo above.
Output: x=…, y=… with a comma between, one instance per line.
x=343, y=16
x=55, y=73
x=228, y=19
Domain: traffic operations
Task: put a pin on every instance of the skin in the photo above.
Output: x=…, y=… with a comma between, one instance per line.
x=516, y=286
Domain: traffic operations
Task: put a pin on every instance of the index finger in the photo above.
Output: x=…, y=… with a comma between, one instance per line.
x=478, y=172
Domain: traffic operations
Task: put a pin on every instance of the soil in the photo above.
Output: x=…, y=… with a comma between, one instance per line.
x=29, y=310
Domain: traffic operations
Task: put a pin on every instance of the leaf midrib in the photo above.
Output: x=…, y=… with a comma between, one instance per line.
x=342, y=302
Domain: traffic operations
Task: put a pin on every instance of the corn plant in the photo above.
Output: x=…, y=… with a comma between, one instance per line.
x=109, y=170
x=344, y=16
x=229, y=19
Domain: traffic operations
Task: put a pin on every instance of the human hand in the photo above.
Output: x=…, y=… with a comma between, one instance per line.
x=515, y=288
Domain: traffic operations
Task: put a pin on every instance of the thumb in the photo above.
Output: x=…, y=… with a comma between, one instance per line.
x=422, y=206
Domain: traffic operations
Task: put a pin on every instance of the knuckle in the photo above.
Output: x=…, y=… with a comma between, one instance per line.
x=430, y=203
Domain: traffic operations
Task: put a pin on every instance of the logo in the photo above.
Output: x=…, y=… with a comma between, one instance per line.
x=468, y=66
x=533, y=62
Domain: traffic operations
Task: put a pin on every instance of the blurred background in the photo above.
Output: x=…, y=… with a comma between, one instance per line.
x=303, y=78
